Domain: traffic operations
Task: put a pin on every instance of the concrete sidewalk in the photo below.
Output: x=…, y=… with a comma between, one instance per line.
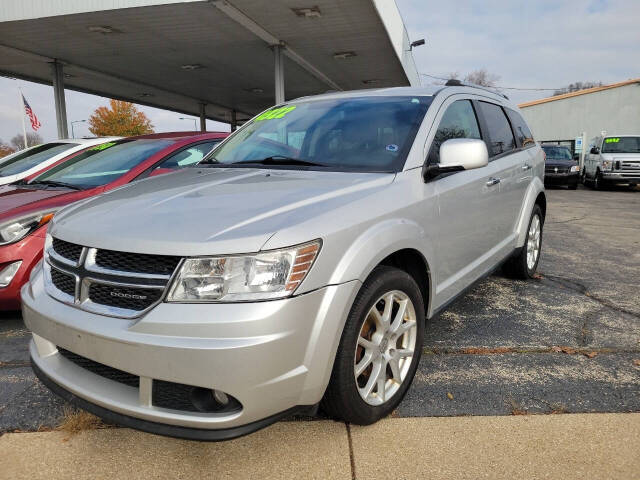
x=576, y=446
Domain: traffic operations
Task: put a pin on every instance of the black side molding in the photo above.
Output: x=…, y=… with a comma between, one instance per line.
x=188, y=433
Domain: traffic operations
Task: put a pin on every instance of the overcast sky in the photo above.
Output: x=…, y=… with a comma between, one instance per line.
x=529, y=44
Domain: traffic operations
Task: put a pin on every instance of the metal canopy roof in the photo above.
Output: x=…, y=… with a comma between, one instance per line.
x=143, y=56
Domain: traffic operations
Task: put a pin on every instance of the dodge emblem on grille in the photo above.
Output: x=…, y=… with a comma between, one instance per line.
x=115, y=293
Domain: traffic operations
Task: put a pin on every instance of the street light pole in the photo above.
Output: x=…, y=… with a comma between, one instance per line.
x=73, y=135
x=195, y=122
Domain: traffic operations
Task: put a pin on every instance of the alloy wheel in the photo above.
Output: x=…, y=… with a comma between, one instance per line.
x=533, y=242
x=385, y=347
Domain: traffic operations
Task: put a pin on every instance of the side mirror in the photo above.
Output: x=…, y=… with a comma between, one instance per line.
x=594, y=150
x=458, y=154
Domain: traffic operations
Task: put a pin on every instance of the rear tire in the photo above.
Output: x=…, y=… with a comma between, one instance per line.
x=379, y=352
x=524, y=263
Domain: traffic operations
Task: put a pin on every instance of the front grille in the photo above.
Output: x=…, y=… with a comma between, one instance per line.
x=553, y=170
x=136, y=262
x=67, y=250
x=64, y=282
x=109, y=282
x=175, y=396
x=124, y=297
x=102, y=370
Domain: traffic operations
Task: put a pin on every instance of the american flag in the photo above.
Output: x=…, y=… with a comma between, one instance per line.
x=35, y=123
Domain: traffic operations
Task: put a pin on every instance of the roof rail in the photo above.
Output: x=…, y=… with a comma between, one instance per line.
x=454, y=82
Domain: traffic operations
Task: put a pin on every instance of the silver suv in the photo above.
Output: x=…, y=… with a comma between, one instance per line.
x=612, y=159
x=296, y=266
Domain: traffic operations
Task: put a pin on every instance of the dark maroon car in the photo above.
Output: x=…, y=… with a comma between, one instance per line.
x=27, y=206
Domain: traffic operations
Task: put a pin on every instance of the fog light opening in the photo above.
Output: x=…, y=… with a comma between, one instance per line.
x=211, y=400
x=220, y=397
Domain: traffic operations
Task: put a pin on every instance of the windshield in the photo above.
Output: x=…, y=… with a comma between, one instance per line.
x=23, y=161
x=621, y=145
x=371, y=134
x=557, y=153
x=103, y=164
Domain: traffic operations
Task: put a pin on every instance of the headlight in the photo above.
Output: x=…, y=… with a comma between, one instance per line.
x=238, y=278
x=575, y=168
x=15, y=230
x=607, y=165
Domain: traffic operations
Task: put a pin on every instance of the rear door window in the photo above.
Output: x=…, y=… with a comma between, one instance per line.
x=188, y=156
x=501, y=138
x=458, y=121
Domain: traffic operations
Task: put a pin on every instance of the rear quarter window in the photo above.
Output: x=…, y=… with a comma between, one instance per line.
x=524, y=136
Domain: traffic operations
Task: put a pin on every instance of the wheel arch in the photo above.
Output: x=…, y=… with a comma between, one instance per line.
x=396, y=242
x=535, y=196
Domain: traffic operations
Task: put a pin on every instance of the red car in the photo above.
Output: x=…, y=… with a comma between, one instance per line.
x=27, y=206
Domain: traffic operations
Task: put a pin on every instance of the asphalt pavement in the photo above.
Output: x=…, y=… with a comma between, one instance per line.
x=566, y=342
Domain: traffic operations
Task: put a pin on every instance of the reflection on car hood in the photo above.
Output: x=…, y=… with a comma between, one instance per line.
x=203, y=211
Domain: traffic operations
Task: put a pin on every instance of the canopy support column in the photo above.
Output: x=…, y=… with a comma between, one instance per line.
x=203, y=118
x=58, y=95
x=234, y=121
x=279, y=73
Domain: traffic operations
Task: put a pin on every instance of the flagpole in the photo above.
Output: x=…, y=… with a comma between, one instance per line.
x=22, y=115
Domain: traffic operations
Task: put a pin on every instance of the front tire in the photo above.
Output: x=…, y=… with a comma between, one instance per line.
x=597, y=181
x=524, y=264
x=379, y=349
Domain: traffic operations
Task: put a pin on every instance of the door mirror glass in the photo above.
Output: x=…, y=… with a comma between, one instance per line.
x=594, y=150
x=458, y=154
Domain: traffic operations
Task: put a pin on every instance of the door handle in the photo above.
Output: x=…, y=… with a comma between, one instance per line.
x=526, y=166
x=493, y=181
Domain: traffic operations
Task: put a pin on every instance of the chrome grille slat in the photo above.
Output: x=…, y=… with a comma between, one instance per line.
x=121, y=292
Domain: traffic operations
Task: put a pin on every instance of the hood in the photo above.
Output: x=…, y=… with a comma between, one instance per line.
x=204, y=211
x=16, y=200
x=557, y=162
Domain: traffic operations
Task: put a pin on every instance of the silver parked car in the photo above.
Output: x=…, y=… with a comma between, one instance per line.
x=295, y=266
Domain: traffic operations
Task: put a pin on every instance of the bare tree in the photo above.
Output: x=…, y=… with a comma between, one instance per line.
x=482, y=77
x=577, y=86
x=17, y=141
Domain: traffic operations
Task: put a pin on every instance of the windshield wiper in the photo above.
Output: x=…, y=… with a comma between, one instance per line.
x=281, y=160
x=53, y=183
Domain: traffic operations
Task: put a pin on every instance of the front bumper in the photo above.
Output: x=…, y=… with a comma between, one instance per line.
x=621, y=177
x=271, y=356
x=561, y=178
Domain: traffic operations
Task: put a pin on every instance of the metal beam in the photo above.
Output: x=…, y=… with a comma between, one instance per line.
x=237, y=15
x=58, y=95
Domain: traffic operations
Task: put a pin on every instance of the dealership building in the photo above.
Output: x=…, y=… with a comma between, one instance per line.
x=614, y=109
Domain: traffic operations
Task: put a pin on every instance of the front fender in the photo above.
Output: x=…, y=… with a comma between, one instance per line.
x=533, y=190
x=378, y=242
